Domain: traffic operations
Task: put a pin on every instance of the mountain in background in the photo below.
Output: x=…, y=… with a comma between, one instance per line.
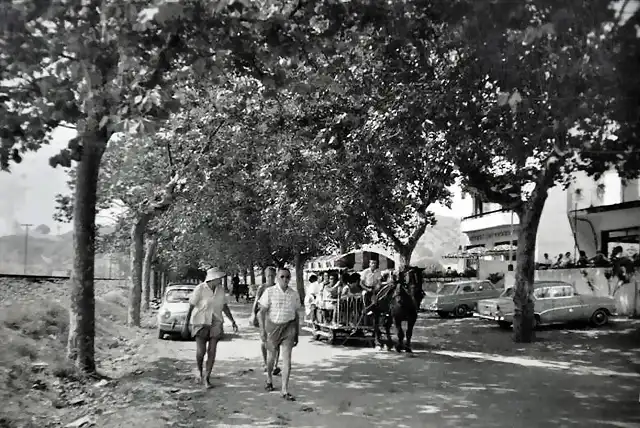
x=53, y=254
x=443, y=238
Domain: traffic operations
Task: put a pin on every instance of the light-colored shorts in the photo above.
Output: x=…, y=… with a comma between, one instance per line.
x=209, y=332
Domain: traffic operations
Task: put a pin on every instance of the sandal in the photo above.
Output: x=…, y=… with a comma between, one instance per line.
x=269, y=387
x=288, y=397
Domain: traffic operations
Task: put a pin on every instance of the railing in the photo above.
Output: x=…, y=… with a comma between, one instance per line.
x=348, y=311
x=488, y=220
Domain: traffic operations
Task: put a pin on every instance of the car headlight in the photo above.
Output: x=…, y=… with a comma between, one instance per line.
x=166, y=314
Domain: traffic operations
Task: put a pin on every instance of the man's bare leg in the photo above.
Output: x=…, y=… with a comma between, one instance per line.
x=201, y=349
x=270, y=364
x=263, y=347
x=211, y=359
x=286, y=367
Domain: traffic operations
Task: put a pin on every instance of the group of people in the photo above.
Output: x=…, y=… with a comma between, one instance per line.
x=599, y=260
x=275, y=313
x=321, y=297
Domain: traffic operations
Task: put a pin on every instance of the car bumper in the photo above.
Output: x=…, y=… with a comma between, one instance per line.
x=490, y=317
x=172, y=327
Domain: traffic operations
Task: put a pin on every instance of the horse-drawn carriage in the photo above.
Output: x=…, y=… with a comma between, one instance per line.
x=351, y=316
x=347, y=320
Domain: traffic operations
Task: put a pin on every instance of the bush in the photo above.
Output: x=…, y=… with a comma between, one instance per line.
x=37, y=319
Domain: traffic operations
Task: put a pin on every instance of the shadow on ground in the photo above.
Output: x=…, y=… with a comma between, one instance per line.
x=362, y=388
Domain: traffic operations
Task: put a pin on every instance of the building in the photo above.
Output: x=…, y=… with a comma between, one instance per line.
x=493, y=232
x=591, y=215
x=604, y=213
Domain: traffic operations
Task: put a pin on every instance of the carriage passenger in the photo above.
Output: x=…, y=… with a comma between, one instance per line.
x=330, y=293
x=371, y=281
x=313, y=298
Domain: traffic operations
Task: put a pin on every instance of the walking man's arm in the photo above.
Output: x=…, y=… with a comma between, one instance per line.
x=227, y=312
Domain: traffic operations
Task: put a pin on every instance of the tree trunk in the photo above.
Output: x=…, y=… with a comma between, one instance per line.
x=404, y=254
x=163, y=283
x=524, y=316
x=146, y=272
x=154, y=283
x=81, y=339
x=252, y=274
x=299, y=264
x=263, y=274
x=137, y=254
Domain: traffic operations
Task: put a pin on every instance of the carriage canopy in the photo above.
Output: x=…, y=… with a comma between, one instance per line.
x=357, y=260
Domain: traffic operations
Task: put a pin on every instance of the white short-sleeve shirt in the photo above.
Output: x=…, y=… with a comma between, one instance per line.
x=207, y=304
x=281, y=306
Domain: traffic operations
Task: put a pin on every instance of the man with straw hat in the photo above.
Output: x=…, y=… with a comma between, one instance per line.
x=207, y=303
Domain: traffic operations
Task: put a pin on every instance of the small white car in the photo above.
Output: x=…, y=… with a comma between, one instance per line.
x=173, y=310
x=555, y=302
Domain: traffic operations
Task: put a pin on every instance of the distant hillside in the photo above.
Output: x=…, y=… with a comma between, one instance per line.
x=445, y=237
x=51, y=255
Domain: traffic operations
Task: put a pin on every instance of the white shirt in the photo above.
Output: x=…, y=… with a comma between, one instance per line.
x=370, y=278
x=207, y=304
x=281, y=306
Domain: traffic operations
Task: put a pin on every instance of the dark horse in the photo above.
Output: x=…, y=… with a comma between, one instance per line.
x=395, y=302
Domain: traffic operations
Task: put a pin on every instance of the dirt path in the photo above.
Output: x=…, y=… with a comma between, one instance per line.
x=356, y=387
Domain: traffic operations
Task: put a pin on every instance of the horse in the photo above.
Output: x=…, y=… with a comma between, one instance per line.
x=397, y=301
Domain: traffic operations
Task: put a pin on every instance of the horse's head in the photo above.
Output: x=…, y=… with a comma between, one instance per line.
x=413, y=278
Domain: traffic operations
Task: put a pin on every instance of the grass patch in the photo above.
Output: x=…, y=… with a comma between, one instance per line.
x=37, y=319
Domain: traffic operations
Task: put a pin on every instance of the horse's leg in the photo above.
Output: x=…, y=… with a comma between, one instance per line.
x=400, y=332
x=410, y=324
x=387, y=327
x=376, y=330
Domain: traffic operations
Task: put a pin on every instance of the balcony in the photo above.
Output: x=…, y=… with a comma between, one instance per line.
x=488, y=220
x=609, y=190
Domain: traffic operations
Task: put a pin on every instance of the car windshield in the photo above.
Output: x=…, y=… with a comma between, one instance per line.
x=447, y=288
x=178, y=295
x=507, y=293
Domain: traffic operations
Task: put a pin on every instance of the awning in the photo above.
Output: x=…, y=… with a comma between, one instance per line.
x=471, y=253
x=502, y=249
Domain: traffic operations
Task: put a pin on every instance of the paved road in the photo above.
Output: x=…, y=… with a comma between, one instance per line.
x=356, y=387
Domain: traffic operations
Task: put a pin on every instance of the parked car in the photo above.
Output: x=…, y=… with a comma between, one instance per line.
x=173, y=310
x=461, y=297
x=555, y=302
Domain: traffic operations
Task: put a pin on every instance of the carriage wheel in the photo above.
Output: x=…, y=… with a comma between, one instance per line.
x=333, y=339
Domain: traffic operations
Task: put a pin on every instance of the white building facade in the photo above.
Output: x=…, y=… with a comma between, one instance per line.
x=604, y=213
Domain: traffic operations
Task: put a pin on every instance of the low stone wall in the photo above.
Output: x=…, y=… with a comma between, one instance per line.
x=600, y=285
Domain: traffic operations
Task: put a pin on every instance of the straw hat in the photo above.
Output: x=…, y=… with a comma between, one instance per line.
x=213, y=274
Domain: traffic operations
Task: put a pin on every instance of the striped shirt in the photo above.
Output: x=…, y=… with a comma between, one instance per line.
x=281, y=305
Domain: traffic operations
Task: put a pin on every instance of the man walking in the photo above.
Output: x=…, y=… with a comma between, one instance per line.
x=279, y=327
x=207, y=303
x=270, y=276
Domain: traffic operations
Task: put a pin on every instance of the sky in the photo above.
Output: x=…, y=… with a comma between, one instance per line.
x=28, y=192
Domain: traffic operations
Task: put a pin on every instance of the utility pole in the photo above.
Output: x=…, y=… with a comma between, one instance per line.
x=26, y=245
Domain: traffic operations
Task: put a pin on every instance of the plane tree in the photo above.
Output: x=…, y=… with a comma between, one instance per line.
x=534, y=95
x=104, y=66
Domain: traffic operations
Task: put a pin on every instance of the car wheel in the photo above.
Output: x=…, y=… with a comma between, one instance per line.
x=461, y=311
x=161, y=334
x=505, y=325
x=443, y=314
x=599, y=318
